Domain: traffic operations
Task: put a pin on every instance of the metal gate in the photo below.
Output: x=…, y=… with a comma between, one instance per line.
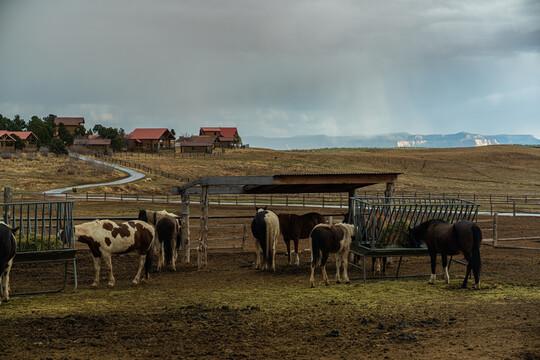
x=382, y=224
x=45, y=234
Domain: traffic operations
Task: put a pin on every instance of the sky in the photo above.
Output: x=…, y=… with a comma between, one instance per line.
x=276, y=68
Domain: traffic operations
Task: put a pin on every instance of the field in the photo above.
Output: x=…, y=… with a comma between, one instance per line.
x=230, y=310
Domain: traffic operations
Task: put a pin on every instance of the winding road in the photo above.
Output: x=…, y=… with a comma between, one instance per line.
x=133, y=176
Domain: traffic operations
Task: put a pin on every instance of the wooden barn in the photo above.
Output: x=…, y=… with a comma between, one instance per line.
x=150, y=140
x=199, y=144
x=227, y=136
x=71, y=123
x=94, y=145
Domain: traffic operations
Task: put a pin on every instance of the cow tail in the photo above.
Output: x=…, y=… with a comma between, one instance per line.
x=315, y=251
x=167, y=236
x=268, y=239
x=477, y=240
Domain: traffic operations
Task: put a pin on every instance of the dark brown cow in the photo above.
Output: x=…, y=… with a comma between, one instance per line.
x=328, y=239
x=105, y=237
x=295, y=227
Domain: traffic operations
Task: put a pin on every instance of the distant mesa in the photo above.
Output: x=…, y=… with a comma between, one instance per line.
x=393, y=140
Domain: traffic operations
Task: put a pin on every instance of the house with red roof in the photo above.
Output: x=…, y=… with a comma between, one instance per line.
x=227, y=136
x=150, y=140
x=71, y=123
x=7, y=139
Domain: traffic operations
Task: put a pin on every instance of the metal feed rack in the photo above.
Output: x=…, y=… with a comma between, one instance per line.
x=45, y=235
x=381, y=223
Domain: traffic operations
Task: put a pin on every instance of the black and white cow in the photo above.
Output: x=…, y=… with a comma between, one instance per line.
x=8, y=249
x=105, y=237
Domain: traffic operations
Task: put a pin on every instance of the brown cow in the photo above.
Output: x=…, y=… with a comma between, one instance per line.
x=295, y=227
x=105, y=237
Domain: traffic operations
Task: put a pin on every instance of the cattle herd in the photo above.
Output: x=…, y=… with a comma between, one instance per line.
x=158, y=232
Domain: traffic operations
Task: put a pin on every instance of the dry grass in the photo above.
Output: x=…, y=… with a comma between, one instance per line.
x=490, y=169
x=36, y=172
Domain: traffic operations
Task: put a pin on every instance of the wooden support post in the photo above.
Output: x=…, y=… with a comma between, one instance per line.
x=202, y=248
x=184, y=223
x=495, y=221
x=514, y=208
x=8, y=198
x=390, y=188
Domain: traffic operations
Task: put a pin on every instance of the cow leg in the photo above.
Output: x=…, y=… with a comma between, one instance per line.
x=444, y=260
x=97, y=268
x=258, y=253
x=323, y=267
x=161, y=261
x=383, y=266
x=173, y=249
x=5, y=281
x=142, y=258
x=338, y=265
x=345, y=257
x=297, y=260
x=375, y=266
x=433, y=256
x=288, y=243
x=108, y=261
x=273, y=254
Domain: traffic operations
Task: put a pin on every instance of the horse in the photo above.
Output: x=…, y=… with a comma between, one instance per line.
x=379, y=222
x=8, y=249
x=168, y=234
x=265, y=229
x=446, y=239
x=328, y=239
x=105, y=237
x=295, y=227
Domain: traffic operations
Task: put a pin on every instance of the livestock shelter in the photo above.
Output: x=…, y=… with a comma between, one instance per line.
x=276, y=184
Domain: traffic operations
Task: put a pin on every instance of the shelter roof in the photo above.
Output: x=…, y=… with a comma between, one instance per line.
x=151, y=134
x=69, y=121
x=199, y=141
x=287, y=183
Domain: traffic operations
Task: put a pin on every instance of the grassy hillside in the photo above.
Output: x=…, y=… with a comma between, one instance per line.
x=490, y=169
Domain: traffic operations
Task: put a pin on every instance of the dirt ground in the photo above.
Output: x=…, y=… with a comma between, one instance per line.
x=231, y=311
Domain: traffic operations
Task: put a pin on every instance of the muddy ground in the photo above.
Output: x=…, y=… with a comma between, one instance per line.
x=231, y=311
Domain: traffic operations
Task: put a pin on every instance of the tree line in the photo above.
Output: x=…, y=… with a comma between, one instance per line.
x=45, y=130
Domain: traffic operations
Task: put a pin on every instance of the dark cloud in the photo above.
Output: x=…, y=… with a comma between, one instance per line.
x=288, y=67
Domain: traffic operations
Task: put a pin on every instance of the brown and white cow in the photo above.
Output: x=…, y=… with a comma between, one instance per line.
x=328, y=239
x=105, y=237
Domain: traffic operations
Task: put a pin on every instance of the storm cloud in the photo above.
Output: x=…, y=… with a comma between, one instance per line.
x=278, y=68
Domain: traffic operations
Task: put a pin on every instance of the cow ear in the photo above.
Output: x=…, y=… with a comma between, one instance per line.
x=14, y=230
x=265, y=208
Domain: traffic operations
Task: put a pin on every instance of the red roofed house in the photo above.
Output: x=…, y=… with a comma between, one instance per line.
x=71, y=123
x=7, y=141
x=96, y=144
x=150, y=140
x=199, y=144
x=228, y=136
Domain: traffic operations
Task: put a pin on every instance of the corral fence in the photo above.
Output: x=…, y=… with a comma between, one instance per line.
x=488, y=204
x=45, y=234
x=382, y=224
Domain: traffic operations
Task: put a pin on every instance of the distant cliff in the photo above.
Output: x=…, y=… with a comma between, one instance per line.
x=393, y=140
